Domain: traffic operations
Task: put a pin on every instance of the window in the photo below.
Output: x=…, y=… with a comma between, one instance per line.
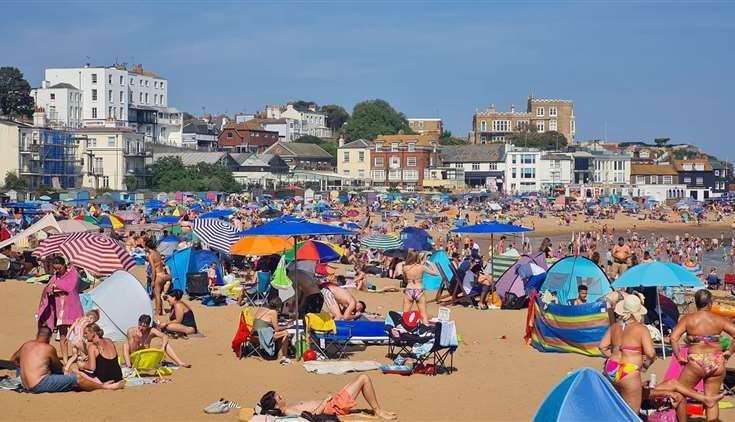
x=540, y=126
x=94, y=112
x=53, y=97
x=618, y=165
x=122, y=97
x=528, y=173
x=378, y=175
x=394, y=147
x=552, y=125
x=411, y=147
x=540, y=112
x=94, y=95
x=121, y=114
x=700, y=181
x=141, y=98
x=571, y=126
x=379, y=162
x=229, y=134
x=106, y=182
x=476, y=166
x=411, y=162
x=132, y=81
x=395, y=162
x=654, y=180
x=141, y=82
x=146, y=83
x=109, y=112
x=410, y=175
x=361, y=156
x=513, y=158
x=552, y=111
x=717, y=172
x=394, y=175
x=94, y=78
x=346, y=157
x=522, y=125
x=109, y=79
x=146, y=98
x=483, y=126
x=109, y=96
x=493, y=166
x=346, y=172
x=668, y=180
x=641, y=180
x=513, y=173
x=501, y=126
x=361, y=173
x=161, y=85
x=687, y=180
x=122, y=80
x=110, y=141
x=155, y=84
x=161, y=99
x=528, y=159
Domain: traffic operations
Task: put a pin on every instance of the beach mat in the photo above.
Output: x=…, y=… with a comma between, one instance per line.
x=339, y=367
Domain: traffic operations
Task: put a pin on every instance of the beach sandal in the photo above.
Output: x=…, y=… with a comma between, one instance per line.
x=221, y=406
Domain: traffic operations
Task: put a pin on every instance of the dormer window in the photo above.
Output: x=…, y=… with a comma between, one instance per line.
x=394, y=147
x=412, y=147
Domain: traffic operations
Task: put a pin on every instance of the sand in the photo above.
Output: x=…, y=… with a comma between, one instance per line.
x=496, y=379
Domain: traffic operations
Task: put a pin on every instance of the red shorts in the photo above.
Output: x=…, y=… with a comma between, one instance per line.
x=340, y=404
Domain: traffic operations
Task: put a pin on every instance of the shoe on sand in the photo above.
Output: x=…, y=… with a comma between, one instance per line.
x=221, y=406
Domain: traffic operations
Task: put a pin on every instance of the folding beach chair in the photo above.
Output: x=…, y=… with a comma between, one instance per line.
x=252, y=344
x=148, y=362
x=402, y=339
x=438, y=354
x=258, y=294
x=324, y=335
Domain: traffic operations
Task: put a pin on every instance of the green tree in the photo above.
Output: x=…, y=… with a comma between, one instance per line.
x=12, y=181
x=545, y=140
x=302, y=105
x=15, y=93
x=309, y=139
x=446, y=138
x=169, y=174
x=337, y=116
x=375, y=117
x=131, y=183
x=661, y=142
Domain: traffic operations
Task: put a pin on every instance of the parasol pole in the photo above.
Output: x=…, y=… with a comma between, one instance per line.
x=660, y=323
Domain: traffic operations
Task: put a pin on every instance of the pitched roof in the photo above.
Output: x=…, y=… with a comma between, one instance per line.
x=472, y=153
x=63, y=85
x=200, y=127
x=302, y=150
x=423, y=140
x=679, y=164
x=652, y=169
x=358, y=144
x=193, y=158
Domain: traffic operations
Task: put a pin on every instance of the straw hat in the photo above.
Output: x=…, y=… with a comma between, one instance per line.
x=631, y=306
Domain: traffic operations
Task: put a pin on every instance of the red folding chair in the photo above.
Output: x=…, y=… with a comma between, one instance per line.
x=729, y=279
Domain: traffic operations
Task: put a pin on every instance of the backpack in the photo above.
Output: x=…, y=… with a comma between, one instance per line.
x=512, y=301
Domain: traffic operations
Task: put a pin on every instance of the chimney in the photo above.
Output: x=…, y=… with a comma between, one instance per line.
x=44, y=84
x=512, y=108
x=492, y=108
x=341, y=141
x=39, y=117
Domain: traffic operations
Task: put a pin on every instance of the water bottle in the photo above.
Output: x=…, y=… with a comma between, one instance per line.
x=652, y=381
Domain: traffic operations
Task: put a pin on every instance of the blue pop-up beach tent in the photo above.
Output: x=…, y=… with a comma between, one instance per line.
x=567, y=274
x=584, y=395
x=190, y=260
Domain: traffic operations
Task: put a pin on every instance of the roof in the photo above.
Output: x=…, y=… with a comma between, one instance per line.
x=428, y=119
x=472, y=153
x=302, y=150
x=553, y=156
x=62, y=85
x=358, y=144
x=718, y=165
x=193, y=158
x=424, y=140
x=679, y=164
x=271, y=121
x=653, y=169
x=200, y=127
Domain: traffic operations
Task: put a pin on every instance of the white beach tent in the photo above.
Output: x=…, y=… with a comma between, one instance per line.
x=48, y=224
x=121, y=300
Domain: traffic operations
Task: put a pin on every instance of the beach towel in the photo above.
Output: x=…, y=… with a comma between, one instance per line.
x=266, y=338
x=339, y=367
x=61, y=309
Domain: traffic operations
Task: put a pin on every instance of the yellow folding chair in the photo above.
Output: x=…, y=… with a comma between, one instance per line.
x=149, y=362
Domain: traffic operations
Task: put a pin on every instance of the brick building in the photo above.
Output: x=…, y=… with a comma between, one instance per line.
x=433, y=127
x=246, y=137
x=402, y=160
x=541, y=115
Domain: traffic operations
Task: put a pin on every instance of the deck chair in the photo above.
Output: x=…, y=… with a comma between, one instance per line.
x=148, y=362
x=252, y=344
x=401, y=339
x=438, y=354
x=258, y=294
x=323, y=335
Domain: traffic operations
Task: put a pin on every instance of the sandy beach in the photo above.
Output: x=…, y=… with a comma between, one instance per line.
x=498, y=377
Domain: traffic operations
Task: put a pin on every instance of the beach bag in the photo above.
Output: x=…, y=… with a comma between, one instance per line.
x=668, y=415
x=512, y=301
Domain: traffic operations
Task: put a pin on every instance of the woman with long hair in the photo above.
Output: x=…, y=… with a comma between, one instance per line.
x=413, y=273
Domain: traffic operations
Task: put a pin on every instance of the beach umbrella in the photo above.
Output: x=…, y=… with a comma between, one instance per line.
x=382, y=242
x=351, y=226
x=51, y=244
x=108, y=221
x=396, y=253
x=168, y=219
x=492, y=228
x=88, y=219
x=4, y=213
x=127, y=215
x=221, y=213
x=44, y=198
x=314, y=250
x=417, y=239
x=71, y=226
x=219, y=235
x=657, y=274
x=97, y=254
x=167, y=245
x=261, y=245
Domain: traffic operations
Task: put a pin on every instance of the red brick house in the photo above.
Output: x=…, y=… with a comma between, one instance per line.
x=246, y=137
x=401, y=161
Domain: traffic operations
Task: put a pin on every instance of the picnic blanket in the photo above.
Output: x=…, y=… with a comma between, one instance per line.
x=339, y=367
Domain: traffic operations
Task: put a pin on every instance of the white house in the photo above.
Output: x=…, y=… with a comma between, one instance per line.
x=305, y=122
x=109, y=155
x=521, y=170
x=62, y=103
x=555, y=170
x=481, y=164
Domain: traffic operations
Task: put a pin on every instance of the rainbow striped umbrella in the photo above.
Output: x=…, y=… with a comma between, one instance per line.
x=314, y=250
x=109, y=221
x=97, y=254
x=88, y=218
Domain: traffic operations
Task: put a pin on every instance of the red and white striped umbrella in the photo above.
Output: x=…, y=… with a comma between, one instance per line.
x=97, y=254
x=51, y=244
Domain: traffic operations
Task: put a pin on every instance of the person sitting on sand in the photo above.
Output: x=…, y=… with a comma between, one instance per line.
x=628, y=347
x=707, y=356
x=182, y=317
x=41, y=371
x=102, y=363
x=341, y=404
x=140, y=337
x=582, y=292
x=76, y=337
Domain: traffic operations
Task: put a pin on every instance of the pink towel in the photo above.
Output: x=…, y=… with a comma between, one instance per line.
x=675, y=369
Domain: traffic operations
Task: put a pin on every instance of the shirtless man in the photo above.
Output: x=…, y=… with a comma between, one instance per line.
x=41, y=370
x=340, y=302
x=140, y=337
x=160, y=277
x=341, y=404
x=621, y=256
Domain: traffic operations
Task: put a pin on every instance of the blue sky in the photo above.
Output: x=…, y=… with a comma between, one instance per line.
x=635, y=70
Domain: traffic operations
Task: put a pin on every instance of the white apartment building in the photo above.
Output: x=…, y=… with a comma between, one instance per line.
x=532, y=170
x=555, y=171
x=353, y=159
x=110, y=154
x=610, y=168
x=62, y=103
x=301, y=123
x=134, y=96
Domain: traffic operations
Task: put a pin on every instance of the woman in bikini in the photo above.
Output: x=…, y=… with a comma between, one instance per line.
x=706, y=357
x=413, y=273
x=102, y=364
x=159, y=275
x=628, y=347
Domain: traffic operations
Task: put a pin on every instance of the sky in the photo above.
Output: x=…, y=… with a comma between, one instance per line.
x=635, y=70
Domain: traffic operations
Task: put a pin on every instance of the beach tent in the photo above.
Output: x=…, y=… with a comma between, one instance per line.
x=47, y=223
x=121, y=300
x=567, y=274
x=514, y=279
x=566, y=328
x=584, y=395
x=189, y=260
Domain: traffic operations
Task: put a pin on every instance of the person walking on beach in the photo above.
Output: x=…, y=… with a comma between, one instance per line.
x=707, y=355
x=621, y=256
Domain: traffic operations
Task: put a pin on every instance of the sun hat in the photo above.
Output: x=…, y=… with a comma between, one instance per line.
x=631, y=306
